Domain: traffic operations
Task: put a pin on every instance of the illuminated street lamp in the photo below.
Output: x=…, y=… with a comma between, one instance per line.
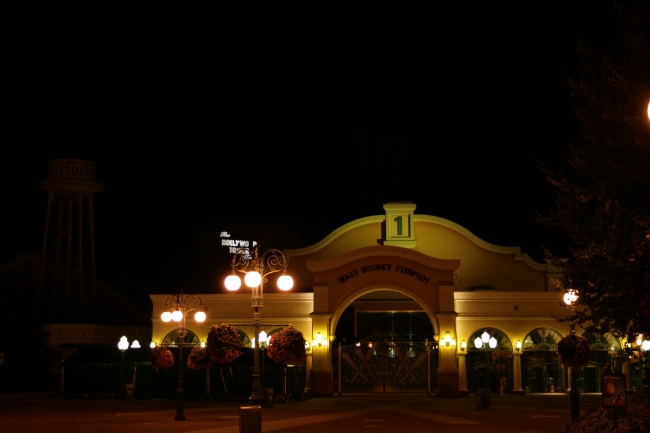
x=570, y=297
x=177, y=308
x=255, y=269
x=123, y=345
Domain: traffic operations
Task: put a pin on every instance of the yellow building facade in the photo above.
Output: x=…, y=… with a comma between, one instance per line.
x=464, y=285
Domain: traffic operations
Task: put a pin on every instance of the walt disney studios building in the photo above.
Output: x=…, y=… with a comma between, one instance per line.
x=418, y=294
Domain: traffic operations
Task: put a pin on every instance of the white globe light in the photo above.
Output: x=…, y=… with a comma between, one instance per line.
x=253, y=279
x=285, y=282
x=485, y=337
x=200, y=316
x=166, y=316
x=478, y=343
x=263, y=336
x=135, y=344
x=123, y=343
x=570, y=297
x=493, y=343
x=233, y=282
x=645, y=345
x=177, y=316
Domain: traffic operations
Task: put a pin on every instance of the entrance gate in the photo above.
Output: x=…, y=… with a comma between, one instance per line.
x=383, y=364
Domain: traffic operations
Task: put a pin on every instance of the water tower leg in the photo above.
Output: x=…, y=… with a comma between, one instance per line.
x=39, y=295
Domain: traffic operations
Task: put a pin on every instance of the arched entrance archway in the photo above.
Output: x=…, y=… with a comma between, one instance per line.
x=339, y=281
x=384, y=343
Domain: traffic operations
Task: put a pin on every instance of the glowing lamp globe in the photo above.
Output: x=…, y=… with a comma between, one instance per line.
x=570, y=297
x=123, y=344
x=199, y=316
x=233, y=282
x=166, y=316
x=645, y=345
x=253, y=279
x=177, y=316
x=493, y=343
x=285, y=282
x=478, y=343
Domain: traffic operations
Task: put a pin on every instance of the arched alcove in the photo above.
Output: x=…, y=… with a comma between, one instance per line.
x=542, y=370
x=486, y=367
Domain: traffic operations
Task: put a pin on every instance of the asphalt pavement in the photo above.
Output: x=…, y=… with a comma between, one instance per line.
x=538, y=413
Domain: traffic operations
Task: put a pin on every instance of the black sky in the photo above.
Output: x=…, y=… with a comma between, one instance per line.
x=284, y=123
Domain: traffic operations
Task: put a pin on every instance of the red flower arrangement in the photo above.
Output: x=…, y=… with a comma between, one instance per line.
x=161, y=359
x=287, y=346
x=224, y=343
x=199, y=358
x=573, y=350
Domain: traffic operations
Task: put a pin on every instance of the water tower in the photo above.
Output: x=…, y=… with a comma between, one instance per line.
x=67, y=289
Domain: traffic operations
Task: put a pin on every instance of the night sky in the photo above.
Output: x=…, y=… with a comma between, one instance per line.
x=280, y=124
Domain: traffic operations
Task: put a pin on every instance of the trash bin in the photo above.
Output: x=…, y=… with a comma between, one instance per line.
x=250, y=419
x=129, y=391
x=482, y=399
x=268, y=397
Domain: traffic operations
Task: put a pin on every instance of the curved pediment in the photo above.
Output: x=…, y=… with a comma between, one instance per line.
x=482, y=264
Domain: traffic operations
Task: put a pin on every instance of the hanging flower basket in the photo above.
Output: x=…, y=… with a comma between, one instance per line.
x=199, y=358
x=161, y=359
x=287, y=346
x=573, y=350
x=224, y=343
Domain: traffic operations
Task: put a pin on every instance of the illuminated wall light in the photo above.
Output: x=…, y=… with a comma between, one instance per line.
x=518, y=346
x=152, y=344
x=463, y=345
x=319, y=341
x=448, y=342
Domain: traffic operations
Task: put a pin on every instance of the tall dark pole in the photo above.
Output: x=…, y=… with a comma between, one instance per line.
x=574, y=394
x=256, y=396
x=122, y=380
x=180, y=390
x=177, y=308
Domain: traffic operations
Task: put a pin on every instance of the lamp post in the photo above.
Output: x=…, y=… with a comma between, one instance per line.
x=177, y=308
x=486, y=343
x=255, y=268
x=123, y=345
x=570, y=297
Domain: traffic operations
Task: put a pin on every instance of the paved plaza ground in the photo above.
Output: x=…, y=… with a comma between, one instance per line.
x=541, y=413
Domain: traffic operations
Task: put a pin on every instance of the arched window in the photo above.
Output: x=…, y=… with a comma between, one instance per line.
x=171, y=339
x=542, y=340
x=602, y=342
